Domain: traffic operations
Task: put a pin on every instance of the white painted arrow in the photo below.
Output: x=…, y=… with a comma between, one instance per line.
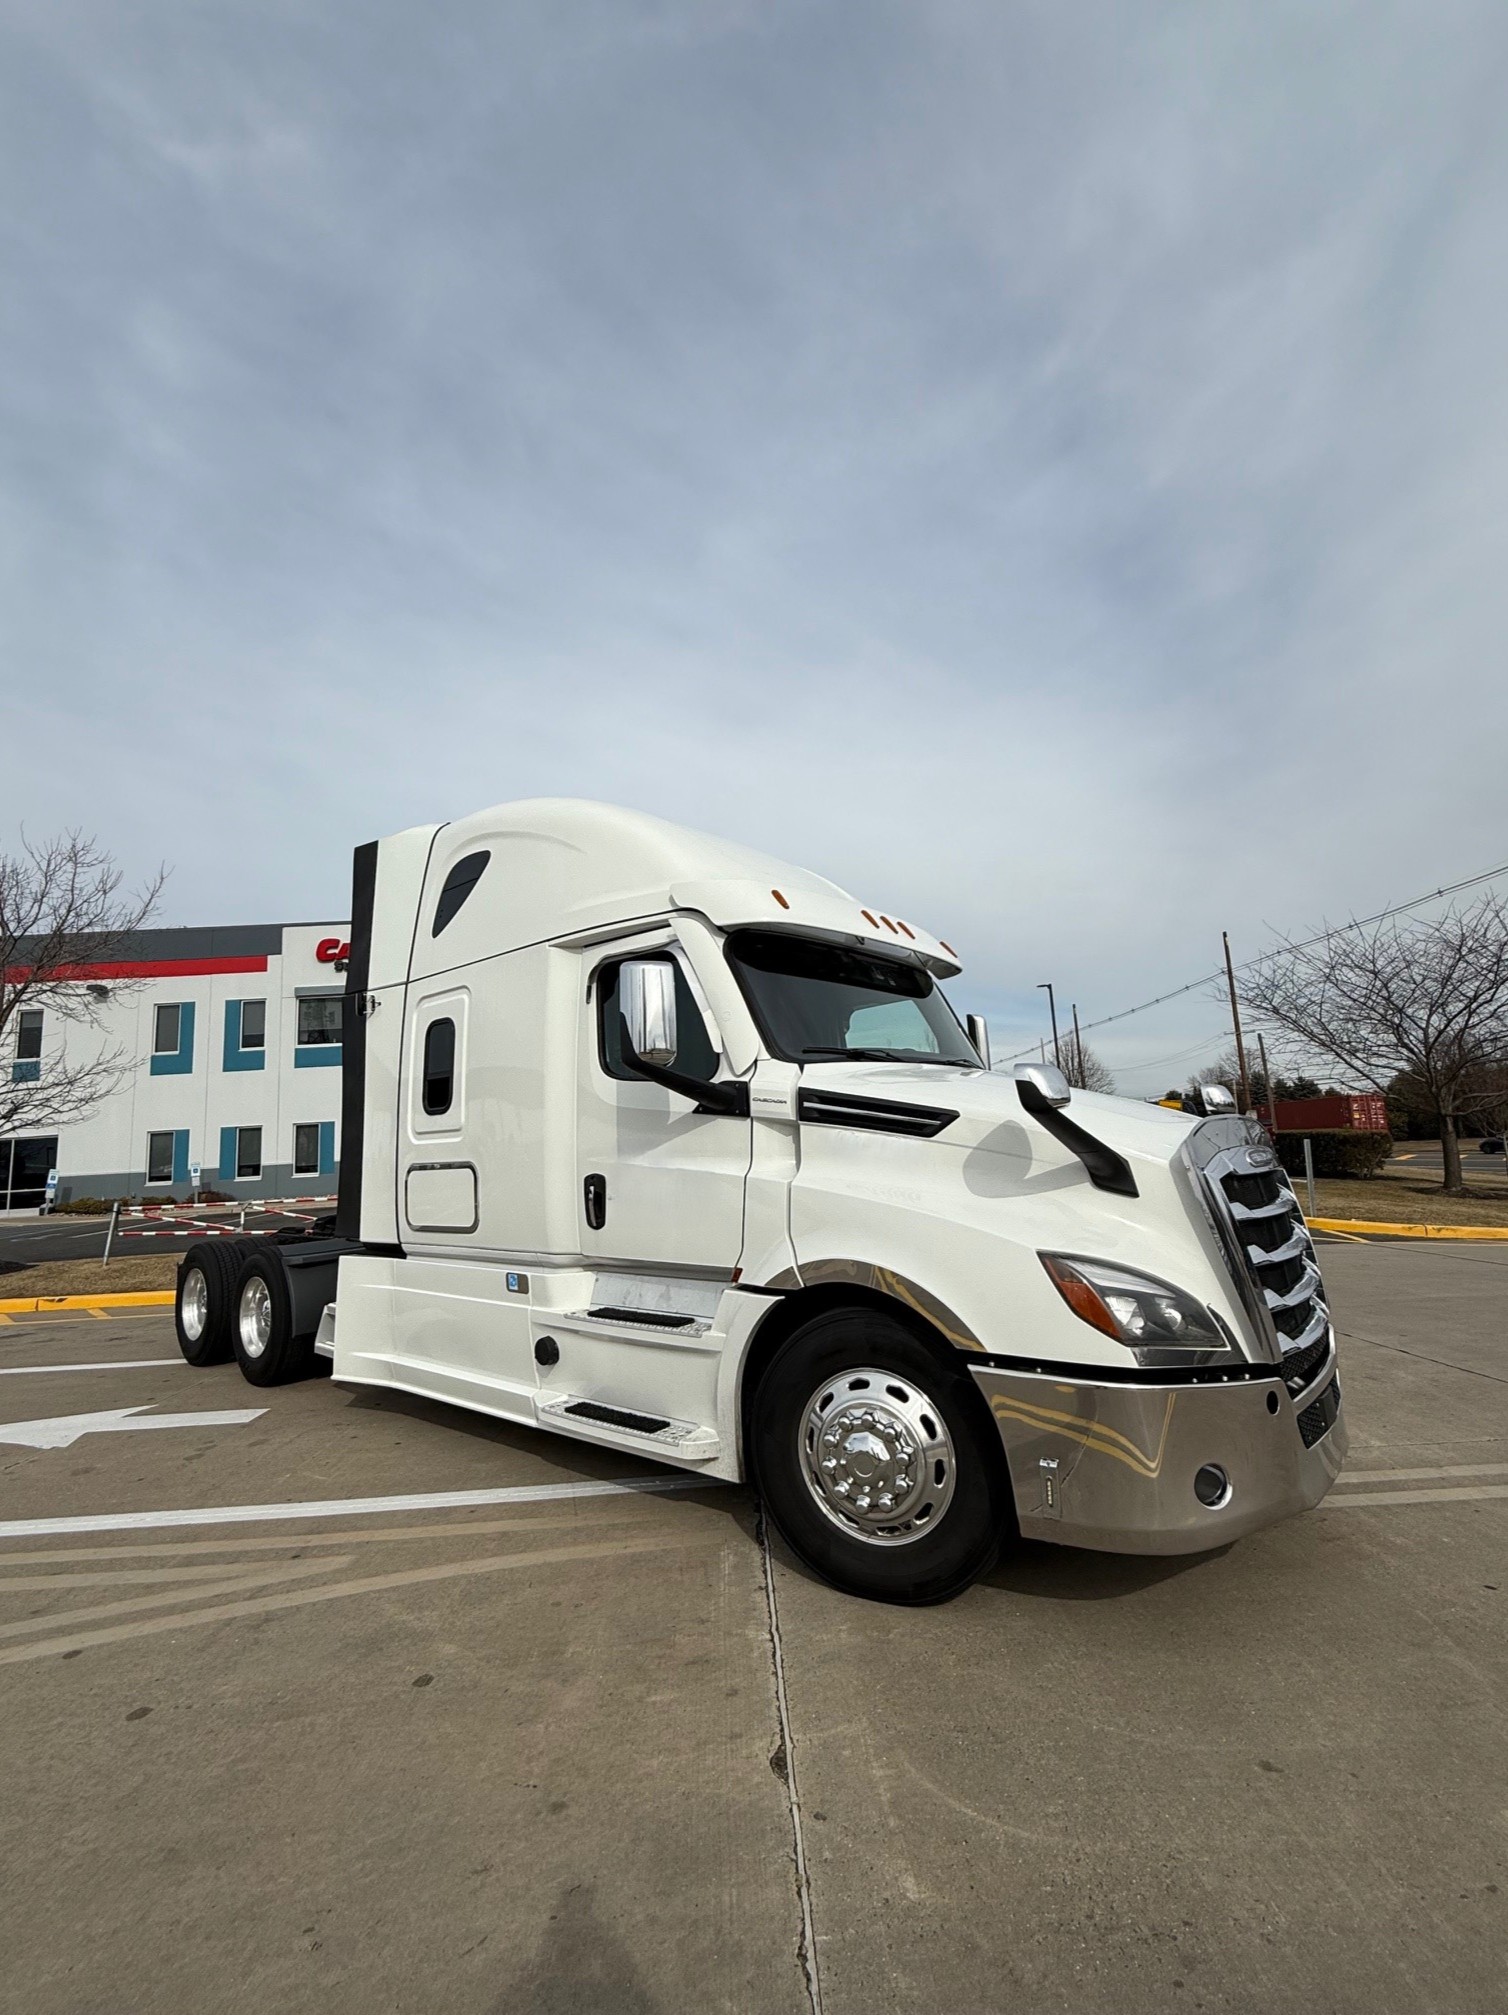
x=65, y=1428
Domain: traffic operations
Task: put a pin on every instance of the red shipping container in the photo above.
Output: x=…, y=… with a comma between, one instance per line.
x=1359, y=1111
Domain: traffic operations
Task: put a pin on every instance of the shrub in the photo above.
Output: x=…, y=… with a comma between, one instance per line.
x=84, y=1206
x=1338, y=1151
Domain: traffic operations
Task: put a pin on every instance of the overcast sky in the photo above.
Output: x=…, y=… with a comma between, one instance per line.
x=1042, y=465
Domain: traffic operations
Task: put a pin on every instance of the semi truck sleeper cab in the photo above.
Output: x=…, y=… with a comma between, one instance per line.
x=667, y=1145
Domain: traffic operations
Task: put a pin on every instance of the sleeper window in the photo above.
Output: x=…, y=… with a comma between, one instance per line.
x=439, y=1065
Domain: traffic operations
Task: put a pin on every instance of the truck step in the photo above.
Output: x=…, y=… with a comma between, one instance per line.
x=649, y=1318
x=626, y=1427
x=662, y=1323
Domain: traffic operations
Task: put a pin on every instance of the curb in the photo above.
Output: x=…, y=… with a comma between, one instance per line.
x=157, y=1298
x=1378, y=1229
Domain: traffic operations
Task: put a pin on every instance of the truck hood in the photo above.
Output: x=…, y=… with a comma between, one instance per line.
x=992, y=1118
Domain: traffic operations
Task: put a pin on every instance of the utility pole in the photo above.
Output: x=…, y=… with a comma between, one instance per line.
x=1078, y=1050
x=1272, y=1096
x=1052, y=1008
x=1235, y=1016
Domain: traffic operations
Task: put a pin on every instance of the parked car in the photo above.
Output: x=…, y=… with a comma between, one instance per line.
x=1491, y=1143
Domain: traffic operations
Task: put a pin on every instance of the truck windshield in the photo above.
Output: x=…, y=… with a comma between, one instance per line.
x=822, y=1000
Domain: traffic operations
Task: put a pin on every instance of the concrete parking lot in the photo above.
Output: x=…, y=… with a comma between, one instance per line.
x=577, y=1748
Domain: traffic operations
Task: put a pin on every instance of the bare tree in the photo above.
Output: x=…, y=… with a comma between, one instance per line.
x=62, y=911
x=1082, y=1067
x=1428, y=997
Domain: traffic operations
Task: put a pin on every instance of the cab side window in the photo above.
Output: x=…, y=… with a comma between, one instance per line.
x=696, y=1053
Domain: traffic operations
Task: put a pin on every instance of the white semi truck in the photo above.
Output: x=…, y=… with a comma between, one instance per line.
x=660, y=1143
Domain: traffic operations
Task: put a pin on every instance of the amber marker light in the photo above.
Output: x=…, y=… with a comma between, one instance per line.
x=780, y=899
x=1080, y=1296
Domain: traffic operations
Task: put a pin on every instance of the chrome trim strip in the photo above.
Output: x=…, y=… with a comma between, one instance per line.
x=880, y=1280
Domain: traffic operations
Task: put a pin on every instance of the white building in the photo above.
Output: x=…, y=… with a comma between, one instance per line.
x=232, y=1041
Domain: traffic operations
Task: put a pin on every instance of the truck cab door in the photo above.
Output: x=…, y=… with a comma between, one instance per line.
x=659, y=1185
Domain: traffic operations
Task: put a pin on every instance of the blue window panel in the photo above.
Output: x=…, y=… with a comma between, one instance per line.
x=327, y=1147
x=234, y=1057
x=26, y=1070
x=180, y=1155
x=317, y=1056
x=181, y=1064
x=227, y=1154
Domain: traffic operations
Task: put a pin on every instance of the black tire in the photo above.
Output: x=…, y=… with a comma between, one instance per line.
x=956, y=1507
x=267, y=1350
x=207, y=1278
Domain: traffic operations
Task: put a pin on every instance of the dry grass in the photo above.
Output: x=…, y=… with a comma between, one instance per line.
x=1398, y=1198
x=136, y=1274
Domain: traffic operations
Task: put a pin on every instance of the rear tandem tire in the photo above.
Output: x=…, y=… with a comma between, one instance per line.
x=857, y=1417
x=202, y=1301
x=262, y=1324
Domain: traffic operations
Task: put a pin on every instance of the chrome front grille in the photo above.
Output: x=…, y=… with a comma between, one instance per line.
x=1267, y=1244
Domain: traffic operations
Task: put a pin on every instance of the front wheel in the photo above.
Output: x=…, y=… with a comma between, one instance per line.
x=878, y=1461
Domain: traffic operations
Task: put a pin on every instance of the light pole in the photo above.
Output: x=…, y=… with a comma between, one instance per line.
x=1052, y=1009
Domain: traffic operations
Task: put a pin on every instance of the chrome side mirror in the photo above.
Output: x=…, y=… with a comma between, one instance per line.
x=979, y=1035
x=1213, y=1098
x=646, y=1001
x=1046, y=1081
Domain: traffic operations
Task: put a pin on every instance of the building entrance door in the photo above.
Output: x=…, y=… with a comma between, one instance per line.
x=23, y=1171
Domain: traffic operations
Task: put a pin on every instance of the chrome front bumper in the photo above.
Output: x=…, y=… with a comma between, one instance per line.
x=1113, y=1466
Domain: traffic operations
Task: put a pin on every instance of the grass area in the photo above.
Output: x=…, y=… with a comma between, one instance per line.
x=135, y=1274
x=1399, y=1197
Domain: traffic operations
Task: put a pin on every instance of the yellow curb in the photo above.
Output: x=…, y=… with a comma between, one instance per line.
x=158, y=1298
x=1365, y=1225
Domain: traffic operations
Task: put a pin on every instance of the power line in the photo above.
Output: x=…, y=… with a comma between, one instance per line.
x=1305, y=944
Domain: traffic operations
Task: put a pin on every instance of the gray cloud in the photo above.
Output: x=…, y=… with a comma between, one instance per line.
x=1041, y=466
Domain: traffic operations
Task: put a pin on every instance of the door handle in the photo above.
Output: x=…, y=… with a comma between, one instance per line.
x=594, y=1193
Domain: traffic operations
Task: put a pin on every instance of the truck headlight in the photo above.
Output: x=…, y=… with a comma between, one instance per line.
x=1160, y=1323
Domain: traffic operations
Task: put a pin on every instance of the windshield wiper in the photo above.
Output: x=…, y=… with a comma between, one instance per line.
x=884, y=1055
x=863, y=1055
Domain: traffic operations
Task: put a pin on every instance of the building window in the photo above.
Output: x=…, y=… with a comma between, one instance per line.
x=29, y=1033
x=439, y=1065
x=306, y=1149
x=319, y=1019
x=253, y=1024
x=173, y=1039
x=248, y=1153
x=159, y=1157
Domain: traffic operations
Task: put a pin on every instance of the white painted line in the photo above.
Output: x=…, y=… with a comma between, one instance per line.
x=1422, y=1475
x=120, y=1364
x=339, y=1507
x=62, y=1430
x=1349, y=1498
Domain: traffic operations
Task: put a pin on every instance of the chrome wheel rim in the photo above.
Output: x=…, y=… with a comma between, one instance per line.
x=256, y=1316
x=877, y=1457
x=193, y=1304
